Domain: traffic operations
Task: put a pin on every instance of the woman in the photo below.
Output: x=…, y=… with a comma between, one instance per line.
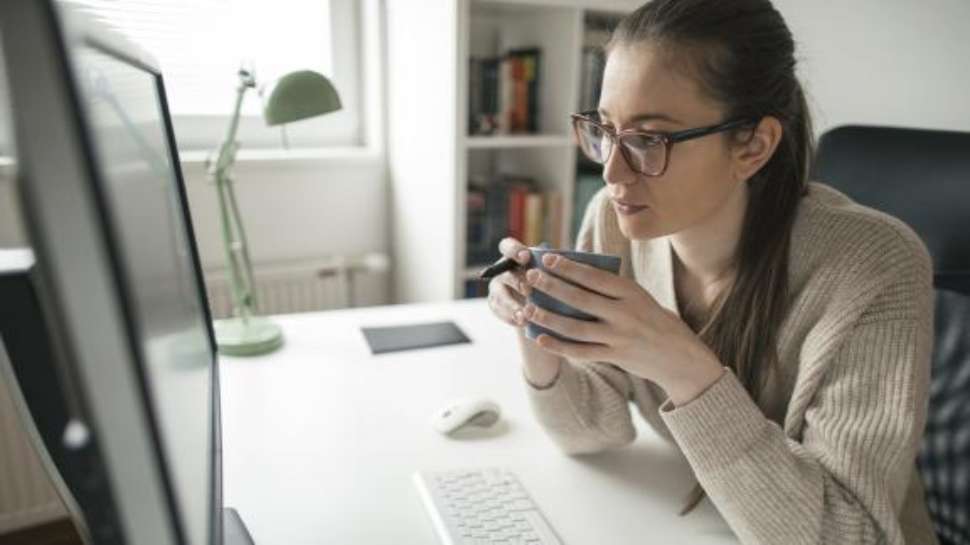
x=777, y=332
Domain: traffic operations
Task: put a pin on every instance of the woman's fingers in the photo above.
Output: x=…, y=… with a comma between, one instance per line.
x=516, y=281
x=515, y=278
x=505, y=302
x=580, y=330
x=603, y=282
x=507, y=292
x=512, y=248
x=577, y=297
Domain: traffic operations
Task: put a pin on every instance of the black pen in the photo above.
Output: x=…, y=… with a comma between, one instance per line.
x=502, y=265
x=497, y=268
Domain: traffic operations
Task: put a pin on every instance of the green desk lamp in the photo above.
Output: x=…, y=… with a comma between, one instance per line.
x=295, y=96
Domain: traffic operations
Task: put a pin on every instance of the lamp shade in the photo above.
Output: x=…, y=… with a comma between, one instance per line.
x=299, y=95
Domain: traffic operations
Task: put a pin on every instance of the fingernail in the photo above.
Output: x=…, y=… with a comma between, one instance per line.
x=550, y=259
x=518, y=316
x=524, y=256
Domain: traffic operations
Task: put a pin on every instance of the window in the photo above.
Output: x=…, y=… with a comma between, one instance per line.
x=201, y=44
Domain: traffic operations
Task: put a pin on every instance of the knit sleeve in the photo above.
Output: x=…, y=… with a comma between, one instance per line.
x=586, y=408
x=844, y=481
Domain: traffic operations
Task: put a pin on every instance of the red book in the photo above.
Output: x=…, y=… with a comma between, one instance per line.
x=517, y=212
x=520, y=95
x=521, y=113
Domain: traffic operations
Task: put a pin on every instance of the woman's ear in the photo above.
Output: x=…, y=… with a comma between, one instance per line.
x=749, y=156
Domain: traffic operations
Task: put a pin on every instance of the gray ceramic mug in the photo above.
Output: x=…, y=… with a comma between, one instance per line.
x=544, y=301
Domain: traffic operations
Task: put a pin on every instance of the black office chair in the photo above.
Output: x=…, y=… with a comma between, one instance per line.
x=923, y=178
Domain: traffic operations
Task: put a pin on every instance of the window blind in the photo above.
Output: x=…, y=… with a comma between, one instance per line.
x=201, y=44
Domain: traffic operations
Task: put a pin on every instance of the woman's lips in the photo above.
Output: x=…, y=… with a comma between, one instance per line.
x=628, y=210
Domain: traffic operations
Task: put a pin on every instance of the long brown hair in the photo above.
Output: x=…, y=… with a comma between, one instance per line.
x=741, y=53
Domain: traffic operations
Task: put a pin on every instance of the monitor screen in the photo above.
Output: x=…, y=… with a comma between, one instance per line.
x=141, y=201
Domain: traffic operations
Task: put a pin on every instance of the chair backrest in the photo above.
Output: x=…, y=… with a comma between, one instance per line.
x=923, y=178
x=920, y=176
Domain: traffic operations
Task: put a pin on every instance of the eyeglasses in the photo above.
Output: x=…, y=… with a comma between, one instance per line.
x=647, y=152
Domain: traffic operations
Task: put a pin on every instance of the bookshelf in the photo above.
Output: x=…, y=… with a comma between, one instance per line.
x=543, y=154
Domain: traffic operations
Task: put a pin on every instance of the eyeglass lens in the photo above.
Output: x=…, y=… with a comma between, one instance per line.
x=644, y=154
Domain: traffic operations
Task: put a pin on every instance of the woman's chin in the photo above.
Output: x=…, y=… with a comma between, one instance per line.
x=637, y=229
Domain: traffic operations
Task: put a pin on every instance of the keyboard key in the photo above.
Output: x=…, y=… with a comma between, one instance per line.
x=486, y=506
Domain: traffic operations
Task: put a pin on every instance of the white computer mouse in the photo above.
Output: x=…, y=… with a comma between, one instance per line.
x=465, y=412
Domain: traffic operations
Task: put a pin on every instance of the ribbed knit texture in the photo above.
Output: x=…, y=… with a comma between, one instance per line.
x=831, y=456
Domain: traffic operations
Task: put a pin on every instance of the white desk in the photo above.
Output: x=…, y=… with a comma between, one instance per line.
x=320, y=440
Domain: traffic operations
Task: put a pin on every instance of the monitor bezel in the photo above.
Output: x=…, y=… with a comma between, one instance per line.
x=130, y=55
x=93, y=298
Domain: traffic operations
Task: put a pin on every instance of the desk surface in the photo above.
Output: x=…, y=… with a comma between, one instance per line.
x=320, y=440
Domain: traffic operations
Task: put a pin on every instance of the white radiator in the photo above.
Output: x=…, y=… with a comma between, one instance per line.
x=308, y=285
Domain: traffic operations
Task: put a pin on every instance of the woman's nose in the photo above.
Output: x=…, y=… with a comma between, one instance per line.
x=616, y=170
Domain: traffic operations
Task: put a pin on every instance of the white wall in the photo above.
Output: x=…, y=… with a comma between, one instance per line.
x=300, y=208
x=292, y=209
x=421, y=60
x=884, y=62
x=295, y=209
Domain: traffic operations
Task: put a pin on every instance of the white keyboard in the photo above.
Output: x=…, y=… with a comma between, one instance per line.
x=482, y=506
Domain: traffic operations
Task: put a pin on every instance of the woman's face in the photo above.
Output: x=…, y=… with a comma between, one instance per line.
x=638, y=83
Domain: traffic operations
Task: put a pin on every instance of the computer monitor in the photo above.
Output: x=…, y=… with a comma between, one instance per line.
x=114, y=283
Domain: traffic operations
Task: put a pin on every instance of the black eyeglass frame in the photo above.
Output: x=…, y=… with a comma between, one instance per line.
x=667, y=138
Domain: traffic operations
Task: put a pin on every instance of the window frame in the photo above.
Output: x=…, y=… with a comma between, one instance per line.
x=204, y=133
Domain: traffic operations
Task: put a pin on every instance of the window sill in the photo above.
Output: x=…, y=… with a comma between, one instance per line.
x=338, y=155
x=333, y=155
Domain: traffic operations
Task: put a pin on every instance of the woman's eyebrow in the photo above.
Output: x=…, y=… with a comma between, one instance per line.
x=643, y=117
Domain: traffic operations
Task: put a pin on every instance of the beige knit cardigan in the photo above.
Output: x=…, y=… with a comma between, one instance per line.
x=830, y=457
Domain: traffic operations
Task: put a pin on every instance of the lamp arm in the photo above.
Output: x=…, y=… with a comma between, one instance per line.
x=227, y=151
x=240, y=298
x=249, y=289
x=233, y=234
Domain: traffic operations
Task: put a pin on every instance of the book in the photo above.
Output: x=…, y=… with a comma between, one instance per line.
x=476, y=92
x=516, y=225
x=527, y=95
x=485, y=219
x=510, y=206
x=503, y=92
x=489, y=107
x=475, y=205
x=533, y=233
x=520, y=96
x=505, y=96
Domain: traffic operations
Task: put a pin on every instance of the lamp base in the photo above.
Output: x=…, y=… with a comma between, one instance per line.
x=258, y=335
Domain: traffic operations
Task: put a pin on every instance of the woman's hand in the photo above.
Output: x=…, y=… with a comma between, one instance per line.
x=507, y=291
x=634, y=332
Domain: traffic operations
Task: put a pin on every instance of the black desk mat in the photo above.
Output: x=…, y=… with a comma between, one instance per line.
x=413, y=336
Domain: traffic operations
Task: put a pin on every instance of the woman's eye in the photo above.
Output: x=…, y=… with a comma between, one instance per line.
x=644, y=142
